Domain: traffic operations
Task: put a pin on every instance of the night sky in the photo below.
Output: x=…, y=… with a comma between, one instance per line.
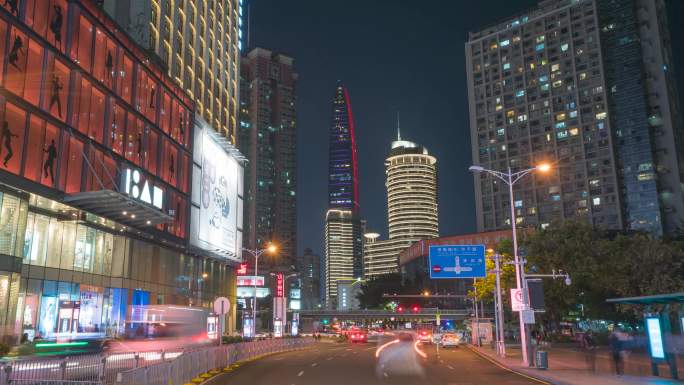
x=393, y=55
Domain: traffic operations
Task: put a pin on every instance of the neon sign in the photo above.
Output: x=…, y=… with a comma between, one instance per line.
x=655, y=338
x=280, y=285
x=242, y=270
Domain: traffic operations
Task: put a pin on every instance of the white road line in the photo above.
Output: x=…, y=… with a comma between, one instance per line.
x=329, y=358
x=385, y=374
x=314, y=364
x=450, y=367
x=300, y=374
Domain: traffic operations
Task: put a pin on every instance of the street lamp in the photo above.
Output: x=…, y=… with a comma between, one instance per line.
x=510, y=178
x=256, y=253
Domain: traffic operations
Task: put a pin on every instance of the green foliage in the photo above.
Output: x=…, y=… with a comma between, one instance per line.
x=4, y=349
x=485, y=287
x=602, y=265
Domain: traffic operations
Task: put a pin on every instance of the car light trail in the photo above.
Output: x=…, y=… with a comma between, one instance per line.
x=420, y=352
x=381, y=347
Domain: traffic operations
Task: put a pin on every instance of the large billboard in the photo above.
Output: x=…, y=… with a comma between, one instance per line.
x=217, y=195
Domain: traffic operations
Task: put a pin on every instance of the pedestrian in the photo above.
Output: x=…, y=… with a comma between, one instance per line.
x=616, y=347
x=589, y=345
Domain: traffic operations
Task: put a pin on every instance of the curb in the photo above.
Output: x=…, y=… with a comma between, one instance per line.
x=533, y=377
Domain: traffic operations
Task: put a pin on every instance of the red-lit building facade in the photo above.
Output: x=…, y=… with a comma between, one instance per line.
x=95, y=170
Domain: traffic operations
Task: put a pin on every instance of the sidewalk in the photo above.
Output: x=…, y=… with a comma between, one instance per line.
x=568, y=367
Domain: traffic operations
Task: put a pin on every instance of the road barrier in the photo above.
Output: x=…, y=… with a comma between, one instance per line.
x=139, y=368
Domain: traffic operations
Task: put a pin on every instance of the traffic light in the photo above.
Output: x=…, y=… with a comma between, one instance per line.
x=325, y=321
x=416, y=308
x=400, y=309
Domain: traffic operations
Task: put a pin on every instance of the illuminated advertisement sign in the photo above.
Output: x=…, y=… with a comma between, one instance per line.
x=217, y=179
x=280, y=285
x=248, y=292
x=295, y=304
x=242, y=270
x=296, y=293
x=138, y=187
x=655, y=338
x=250, y=280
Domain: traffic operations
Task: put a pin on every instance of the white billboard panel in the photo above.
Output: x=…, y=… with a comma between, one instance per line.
x=217, y=175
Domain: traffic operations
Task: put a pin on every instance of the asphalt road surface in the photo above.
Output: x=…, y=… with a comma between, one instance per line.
x=347, y=364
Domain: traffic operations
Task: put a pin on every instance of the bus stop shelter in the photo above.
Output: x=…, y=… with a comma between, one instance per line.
x=662, y=346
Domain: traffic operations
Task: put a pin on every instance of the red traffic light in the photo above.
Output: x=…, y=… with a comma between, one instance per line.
x=400, y=309
x=416, y=309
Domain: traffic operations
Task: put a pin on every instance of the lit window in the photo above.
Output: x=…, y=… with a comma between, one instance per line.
x=545, y=87
x=574, y=131
x=555, y=197
x=573, y=114
x=560, y=125
x=540, y=38
x=510, y=113
x=645, y=166
x=519, y=204
x=596, y=201
x=507, y=66
x=543, y=78
x=582, y=76
x=560, y=117
x=539, y=47
x=505, y=43
x=564, y=47
x=555, y=67
x=544, y=226
x=562, y=134
x=500, y=131
x=522, y=117
x=557, y=83
x=600, y=116
x=520, y=93
x=646, y=176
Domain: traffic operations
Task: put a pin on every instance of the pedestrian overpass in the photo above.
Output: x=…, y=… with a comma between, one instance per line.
x=384, y=315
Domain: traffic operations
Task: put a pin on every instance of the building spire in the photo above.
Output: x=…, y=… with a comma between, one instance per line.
x=398, y=128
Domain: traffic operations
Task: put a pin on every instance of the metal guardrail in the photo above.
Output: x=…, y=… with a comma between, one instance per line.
x=140, y=368
x=190, y=365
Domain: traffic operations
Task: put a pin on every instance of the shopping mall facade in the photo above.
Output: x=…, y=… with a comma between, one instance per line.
x=96, y=167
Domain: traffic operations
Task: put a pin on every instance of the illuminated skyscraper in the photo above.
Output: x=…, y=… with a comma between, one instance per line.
x=590, y=86
x=268, y=138
x=199, y=43
x=411, y=206
x=343, y=227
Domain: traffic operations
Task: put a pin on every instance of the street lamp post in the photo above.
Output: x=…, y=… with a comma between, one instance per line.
x=256, y=253
x=500, y=345
x=510, y=178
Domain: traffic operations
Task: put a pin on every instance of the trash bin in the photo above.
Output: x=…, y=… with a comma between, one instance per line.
x=542, y=360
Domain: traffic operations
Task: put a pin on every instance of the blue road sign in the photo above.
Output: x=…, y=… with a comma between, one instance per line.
x=457, y=261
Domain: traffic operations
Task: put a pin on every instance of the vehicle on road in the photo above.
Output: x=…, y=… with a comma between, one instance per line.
x=358, y=336
x=450, y=339
x=425, y=336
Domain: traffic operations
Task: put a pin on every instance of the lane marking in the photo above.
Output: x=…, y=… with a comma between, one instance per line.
x=385, y=374
x=300, y=374
x=314, y=364
x=450, y=367
x=329, y=358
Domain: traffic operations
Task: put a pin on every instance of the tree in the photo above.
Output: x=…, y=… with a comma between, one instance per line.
x=602, y=265
x=486, y=287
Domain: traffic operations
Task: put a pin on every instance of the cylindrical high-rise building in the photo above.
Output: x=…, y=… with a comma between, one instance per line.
x=411, y=191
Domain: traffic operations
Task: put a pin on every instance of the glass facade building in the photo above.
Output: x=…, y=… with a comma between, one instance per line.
x=82, y=108
x=343, y=226
x=587, y=86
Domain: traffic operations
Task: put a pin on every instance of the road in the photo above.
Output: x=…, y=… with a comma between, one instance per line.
x=346, y=364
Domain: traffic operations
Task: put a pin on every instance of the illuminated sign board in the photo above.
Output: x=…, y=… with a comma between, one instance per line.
x=295, y=304
x=280, y=285
x=138, y=187
x=655, y=337
x=248, y=292
x=242, y=270
x=250, y=280
x=296, y=293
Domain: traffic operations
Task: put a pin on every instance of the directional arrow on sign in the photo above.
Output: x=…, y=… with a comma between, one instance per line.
x=457, y=268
